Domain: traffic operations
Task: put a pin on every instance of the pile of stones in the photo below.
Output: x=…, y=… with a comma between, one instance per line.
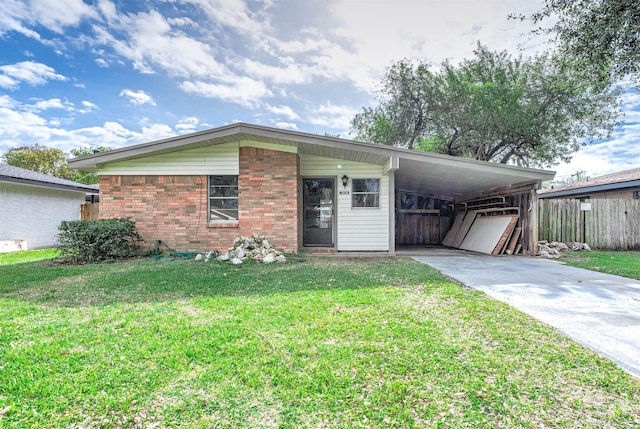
x=554, y=249
x=254, y=247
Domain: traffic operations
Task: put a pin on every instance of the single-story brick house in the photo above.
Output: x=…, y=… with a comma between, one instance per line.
x=623, y=185
x=305, y=192
x=34, y=204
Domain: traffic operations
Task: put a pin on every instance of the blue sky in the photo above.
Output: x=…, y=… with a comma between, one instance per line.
x=119, y=72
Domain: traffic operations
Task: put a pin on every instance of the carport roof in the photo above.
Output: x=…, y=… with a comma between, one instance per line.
x=439, y=175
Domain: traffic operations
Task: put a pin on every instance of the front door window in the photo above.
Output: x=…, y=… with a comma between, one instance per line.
x=318, y=212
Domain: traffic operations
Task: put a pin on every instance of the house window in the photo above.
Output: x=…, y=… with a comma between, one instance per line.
x=223, y=198
x=365, y=193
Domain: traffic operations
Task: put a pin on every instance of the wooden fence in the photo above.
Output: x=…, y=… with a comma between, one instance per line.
x=602, y=224
x=89, y=211
x=414, y=228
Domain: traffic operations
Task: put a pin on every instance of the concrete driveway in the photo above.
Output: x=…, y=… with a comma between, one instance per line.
x=600, y=311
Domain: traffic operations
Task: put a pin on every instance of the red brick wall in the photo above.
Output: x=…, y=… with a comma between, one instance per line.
x=174, y=208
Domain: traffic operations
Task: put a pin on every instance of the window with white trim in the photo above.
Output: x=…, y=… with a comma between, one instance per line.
x=223, y=198
x=365, y=192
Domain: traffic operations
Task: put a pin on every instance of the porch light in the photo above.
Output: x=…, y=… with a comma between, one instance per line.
x=345, y=180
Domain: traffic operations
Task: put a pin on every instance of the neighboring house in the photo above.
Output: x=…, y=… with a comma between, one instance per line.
x=623, y=185
x=304, y=192
x=603, y=211
x=32, y=205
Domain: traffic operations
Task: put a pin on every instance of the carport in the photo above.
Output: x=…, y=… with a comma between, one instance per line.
x=432, y=192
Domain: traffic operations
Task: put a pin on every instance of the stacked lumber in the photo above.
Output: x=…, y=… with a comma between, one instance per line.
x=489, y=231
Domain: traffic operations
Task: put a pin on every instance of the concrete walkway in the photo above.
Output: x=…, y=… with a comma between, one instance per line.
x=600, y=311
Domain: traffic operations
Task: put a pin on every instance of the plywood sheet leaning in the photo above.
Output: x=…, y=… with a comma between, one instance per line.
x=513, y=241
x=505, y=236
x=451, y=234
x=469, y=217
x=486, y=232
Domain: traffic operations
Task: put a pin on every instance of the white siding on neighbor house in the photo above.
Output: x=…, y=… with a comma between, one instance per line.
x=33, y=213
x=219, y=159
x=358, y=229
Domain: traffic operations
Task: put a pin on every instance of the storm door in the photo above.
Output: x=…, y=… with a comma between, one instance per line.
x=318, y=213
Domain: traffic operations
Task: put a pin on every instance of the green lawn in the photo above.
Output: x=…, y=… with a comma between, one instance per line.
x=10, y=258
x=626, y=264
x=319, y=342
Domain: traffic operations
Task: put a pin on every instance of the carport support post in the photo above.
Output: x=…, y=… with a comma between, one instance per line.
x=533, y=219
x=392, y=212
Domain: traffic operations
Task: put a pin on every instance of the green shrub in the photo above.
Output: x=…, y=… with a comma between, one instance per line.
x=85, y=241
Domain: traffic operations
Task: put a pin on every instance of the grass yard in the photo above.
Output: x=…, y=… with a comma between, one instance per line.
x=626, y=264
x=10, y=258
x=323, y=342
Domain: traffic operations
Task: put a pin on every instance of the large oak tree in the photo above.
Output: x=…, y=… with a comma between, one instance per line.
x=493, y=107
x=601, y=37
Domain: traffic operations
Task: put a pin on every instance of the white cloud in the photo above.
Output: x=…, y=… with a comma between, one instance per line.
x=241, y=90
x=152, y=42
x=13, y=15
x=284, y=111
x=620, y=152
x=102, y=63
x=7, y=82
x=235, y=15
x=107, y=9
x=53, y=103
x=29, y=72
x=87, y=107
x=332, y=116
x=289, y=125
x=57, y=14
x=187, y=125
x=137, y=98
x=20, y=123
x=290, y=73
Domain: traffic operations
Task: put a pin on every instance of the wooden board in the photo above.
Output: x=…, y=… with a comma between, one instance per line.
x=469, y=217
x=513, y=241
x=449, y=238
x=485, y=233
x=505, y=236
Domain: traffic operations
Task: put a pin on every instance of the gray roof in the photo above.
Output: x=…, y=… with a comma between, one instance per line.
x=614, y=181
x=451, y=177
x=9, y=173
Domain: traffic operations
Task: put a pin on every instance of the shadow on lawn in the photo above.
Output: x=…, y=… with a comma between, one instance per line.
x=148, y=280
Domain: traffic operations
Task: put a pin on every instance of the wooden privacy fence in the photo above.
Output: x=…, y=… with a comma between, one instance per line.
x=414, y=228
x=89, y=211
x=602, y=224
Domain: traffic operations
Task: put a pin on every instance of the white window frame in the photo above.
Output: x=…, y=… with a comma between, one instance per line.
x=356, y=193
x=210, y=198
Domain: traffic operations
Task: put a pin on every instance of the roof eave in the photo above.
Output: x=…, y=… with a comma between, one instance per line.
x=94, y=161
x=29, y=182
x=590, y=189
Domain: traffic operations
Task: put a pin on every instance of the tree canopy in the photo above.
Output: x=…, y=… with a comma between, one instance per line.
x=41, y=159
x=493, y=107
x=87, y=177
x=52, y=161
x=601, y=37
